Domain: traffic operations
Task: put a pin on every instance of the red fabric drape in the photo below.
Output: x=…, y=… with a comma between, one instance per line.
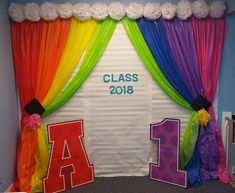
x=26, y=38
x=209, y=38
x=37, y=50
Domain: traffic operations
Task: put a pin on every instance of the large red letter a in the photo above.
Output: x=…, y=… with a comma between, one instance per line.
x=69, y=166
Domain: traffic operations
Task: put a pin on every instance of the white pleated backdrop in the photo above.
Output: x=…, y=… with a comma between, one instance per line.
x=117, y=127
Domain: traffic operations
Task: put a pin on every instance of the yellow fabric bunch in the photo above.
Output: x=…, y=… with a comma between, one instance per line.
x=203, y=117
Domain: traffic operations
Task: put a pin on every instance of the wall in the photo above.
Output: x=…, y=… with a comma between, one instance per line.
x=227, y=74
x=230, y=3
x=8, y=104
x=91, y=1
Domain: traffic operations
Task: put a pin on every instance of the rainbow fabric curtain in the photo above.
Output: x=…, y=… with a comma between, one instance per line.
x=46, y=55
x=185, y=55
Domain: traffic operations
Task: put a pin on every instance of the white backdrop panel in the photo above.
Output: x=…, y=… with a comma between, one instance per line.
x=117, y=127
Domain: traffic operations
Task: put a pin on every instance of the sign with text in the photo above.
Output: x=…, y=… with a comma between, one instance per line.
x=125, y=81
x=69, y=166
x=166, y=170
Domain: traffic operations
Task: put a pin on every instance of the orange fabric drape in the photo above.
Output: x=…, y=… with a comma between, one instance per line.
x=37, y=50
x=54, y=39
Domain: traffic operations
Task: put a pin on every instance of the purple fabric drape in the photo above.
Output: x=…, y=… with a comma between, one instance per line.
x=181, y=40
x=155, y=37
x=208, y=152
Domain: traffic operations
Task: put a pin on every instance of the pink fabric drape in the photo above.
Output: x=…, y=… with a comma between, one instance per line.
x=209, y=37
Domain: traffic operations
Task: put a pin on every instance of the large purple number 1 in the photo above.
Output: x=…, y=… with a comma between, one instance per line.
x=166, y=170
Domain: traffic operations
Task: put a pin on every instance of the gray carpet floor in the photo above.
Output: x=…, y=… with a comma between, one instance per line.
x=144, y=185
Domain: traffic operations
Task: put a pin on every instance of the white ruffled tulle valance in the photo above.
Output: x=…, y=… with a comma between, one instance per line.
x=184, y=10
x=99, y=11
x=152, y=11
x=168, y=10
x=200, y=9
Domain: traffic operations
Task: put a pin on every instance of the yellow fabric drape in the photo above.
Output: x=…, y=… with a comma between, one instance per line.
x=42, y=160
x=78, y=39
x=79, y=36
x=54, y=39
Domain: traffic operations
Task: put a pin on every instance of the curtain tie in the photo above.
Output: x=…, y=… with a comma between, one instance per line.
x=32, y=121
x=201, y=105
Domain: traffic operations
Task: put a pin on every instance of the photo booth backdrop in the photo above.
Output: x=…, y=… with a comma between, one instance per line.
x=117, y=127
x=30, y=87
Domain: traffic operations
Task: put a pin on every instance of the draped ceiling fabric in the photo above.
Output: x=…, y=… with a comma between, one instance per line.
x=183, y=58
x=155, y=37
x=176, y=55
x=75, y=47
x=48, y=51
x=209, y=37
x=26, y=58
x=181, y=42
x=190, y=137
x=94, y=51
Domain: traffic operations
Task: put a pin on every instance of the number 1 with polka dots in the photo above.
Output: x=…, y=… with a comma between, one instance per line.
x=167, y=134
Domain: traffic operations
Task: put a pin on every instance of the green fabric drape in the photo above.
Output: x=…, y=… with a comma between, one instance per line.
x=142, y=49
x=190, y=136
x=95, y=49
x=189, y=140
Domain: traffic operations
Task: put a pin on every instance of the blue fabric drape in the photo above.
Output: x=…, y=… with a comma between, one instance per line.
x=155, y=37
x=162, y=48
x=193, y=168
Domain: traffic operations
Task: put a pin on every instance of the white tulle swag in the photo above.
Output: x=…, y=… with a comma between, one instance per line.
x=99, y=11
x=135, y=10
x=168, y=10
x=217, y=9
x=65, y=10
x=116, y=10
x=32, y=12
x=16, y=13
x=200, y=9
x=49, y=11
x=82, y=11
x=184, y=9
x=152, y=11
